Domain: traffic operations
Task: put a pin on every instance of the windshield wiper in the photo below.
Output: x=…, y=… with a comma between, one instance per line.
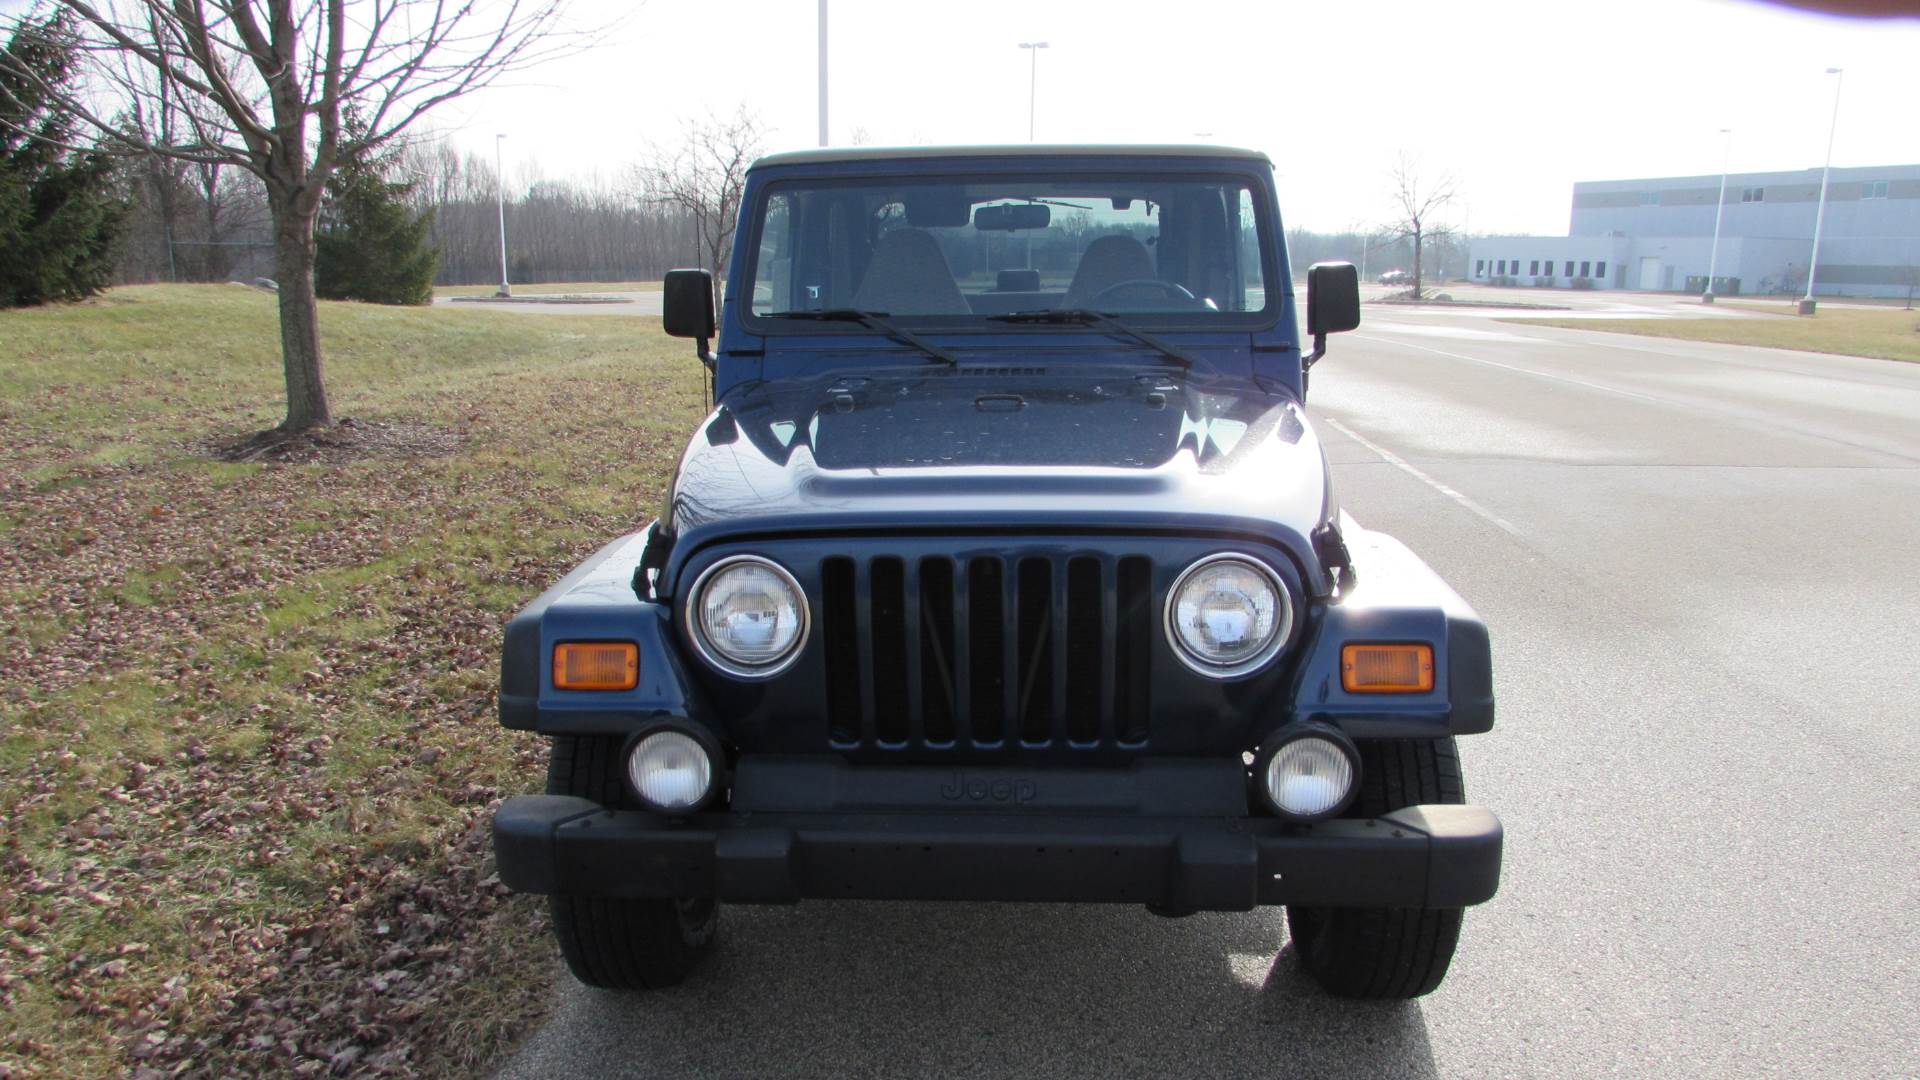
x=1089, y=317
x=872, y=320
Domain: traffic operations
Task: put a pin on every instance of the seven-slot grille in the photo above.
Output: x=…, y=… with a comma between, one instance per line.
x=1041, y=649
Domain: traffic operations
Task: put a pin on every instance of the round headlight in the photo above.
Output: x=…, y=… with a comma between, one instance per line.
x=1310, y=778
x=1227, y=615
x=670, y=771
x=748, y=616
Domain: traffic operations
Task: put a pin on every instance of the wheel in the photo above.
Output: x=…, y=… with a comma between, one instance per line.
x=1386, y=953
x=1171, y=289
x=620, y=942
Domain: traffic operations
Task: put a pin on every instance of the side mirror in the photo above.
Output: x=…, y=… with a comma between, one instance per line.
x=1333, y=298
x=1333, y=305
x=686, y=307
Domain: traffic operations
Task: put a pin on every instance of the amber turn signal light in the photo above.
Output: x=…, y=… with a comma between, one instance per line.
x=596, y=665
x=1386, y=669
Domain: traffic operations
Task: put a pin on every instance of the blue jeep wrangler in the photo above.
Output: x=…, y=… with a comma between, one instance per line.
x=1006, y=567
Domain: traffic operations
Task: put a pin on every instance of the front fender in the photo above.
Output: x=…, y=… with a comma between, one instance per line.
x=596, y=602
x=1395, y=597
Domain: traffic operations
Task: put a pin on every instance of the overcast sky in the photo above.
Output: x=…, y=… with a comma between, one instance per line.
x=1517, y=98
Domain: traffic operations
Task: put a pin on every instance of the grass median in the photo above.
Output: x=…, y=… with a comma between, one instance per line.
x=1883, y=333
x=247, y=735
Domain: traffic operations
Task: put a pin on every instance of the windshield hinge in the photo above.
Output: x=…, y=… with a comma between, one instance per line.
x=1331, y=547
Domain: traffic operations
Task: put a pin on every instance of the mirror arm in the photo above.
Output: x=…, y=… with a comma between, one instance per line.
x=701, y=350
x=1319, y=350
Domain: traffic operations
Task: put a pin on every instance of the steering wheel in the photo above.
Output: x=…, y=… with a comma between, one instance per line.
x=1172, y=289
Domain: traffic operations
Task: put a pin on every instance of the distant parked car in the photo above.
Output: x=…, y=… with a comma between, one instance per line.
x=1396, y=277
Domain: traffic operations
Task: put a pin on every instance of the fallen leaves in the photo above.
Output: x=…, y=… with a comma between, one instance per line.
x=247, y=716
x=351, y=439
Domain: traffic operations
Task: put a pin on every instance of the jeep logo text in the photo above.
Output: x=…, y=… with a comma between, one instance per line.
x=962, y=788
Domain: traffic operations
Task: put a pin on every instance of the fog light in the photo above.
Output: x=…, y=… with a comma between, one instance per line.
x=1311, y=776
x=670, y=771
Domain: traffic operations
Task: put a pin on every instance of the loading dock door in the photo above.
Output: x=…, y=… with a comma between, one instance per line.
x=1650, y=275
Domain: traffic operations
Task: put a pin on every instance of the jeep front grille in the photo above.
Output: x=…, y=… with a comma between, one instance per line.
x=1039, y=649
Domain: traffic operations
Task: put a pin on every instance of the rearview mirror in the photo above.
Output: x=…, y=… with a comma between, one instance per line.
x=1333, y=298
x=1008, y=217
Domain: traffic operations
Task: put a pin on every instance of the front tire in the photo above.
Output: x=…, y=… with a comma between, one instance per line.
x=1386, y=953
x=619, y=942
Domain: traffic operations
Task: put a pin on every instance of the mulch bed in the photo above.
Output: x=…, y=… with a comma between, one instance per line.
x=350, y=439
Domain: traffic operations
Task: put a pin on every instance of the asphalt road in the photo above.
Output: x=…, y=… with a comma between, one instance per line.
x=1699, y=566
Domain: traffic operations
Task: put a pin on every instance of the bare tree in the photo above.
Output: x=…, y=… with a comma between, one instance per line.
x=704, y=176
x=576, y=229
x=1418, y=200
x=262, y=85
x=165, y=177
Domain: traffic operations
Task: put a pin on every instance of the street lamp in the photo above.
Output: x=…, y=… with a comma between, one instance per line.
x=1820, y=215
x=1033, y=75
x=500, y=202
x=1713, y=259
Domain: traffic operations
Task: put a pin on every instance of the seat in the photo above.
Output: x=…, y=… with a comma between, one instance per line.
x=1107, y=262
x=909, y=276
x=1017, y=281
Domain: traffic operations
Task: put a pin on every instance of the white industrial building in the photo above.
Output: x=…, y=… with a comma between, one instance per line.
x=1657, y=236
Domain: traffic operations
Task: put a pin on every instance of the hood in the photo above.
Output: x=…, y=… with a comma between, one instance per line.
x=992, y=446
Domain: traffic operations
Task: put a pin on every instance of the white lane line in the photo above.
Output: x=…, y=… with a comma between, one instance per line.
x=1461, y=333
x=1403, y=465
x=1520, y=370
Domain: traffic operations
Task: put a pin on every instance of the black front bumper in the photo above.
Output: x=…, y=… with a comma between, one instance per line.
x=1419, y=857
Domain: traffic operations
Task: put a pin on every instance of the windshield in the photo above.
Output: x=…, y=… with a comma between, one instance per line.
x=1174, y=249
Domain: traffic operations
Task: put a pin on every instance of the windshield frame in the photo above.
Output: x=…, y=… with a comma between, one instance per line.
x=1266, y=231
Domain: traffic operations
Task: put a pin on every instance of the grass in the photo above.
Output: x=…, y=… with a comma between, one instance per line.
x=247, y=733
x=549, y=288
x=1884, y=333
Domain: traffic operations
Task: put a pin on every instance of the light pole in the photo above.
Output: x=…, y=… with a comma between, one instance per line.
x=1820, y=215
x=1713, y=258
x=1033, y=75
x=500, y=202
x=1366, y=242
x=823, y=72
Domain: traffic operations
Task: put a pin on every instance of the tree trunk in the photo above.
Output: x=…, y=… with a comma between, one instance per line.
x=163, y=195
x=717, y=242
x=299, y=318
x=217, y=266
x=1416, y=262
